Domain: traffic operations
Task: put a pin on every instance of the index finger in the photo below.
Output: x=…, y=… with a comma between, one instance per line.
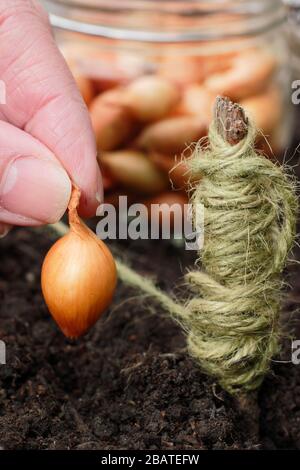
x=42, y=97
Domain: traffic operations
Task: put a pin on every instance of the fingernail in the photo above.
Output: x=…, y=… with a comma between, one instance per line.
x=35, y=189
x=4, y=229
x=98, y=197
x=99, y=192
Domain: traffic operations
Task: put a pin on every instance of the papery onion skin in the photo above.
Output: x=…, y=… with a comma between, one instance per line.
x=78, y=279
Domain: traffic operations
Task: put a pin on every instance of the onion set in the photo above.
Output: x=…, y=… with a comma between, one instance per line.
x=78, y=276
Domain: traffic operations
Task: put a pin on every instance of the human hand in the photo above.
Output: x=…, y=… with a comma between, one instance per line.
x=46, y=139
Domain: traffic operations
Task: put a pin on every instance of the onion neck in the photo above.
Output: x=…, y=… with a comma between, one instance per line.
x=76, y=224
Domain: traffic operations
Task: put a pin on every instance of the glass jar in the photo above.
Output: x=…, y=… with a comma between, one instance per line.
x=293, y=8
x=150, y=70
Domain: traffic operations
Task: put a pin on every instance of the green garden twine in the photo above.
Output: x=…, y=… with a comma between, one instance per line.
x=250, y=207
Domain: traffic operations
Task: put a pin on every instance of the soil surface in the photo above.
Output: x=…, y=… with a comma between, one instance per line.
x=128, y=384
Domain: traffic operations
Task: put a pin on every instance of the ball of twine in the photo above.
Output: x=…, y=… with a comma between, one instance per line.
x=250, y=210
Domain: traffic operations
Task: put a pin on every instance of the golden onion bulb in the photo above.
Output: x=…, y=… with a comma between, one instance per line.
x=78, y=276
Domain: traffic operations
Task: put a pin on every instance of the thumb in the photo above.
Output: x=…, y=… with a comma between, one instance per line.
x=34, y=187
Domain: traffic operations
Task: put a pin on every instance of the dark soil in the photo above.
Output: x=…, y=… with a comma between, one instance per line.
x=129, y=383
x=126, y=385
